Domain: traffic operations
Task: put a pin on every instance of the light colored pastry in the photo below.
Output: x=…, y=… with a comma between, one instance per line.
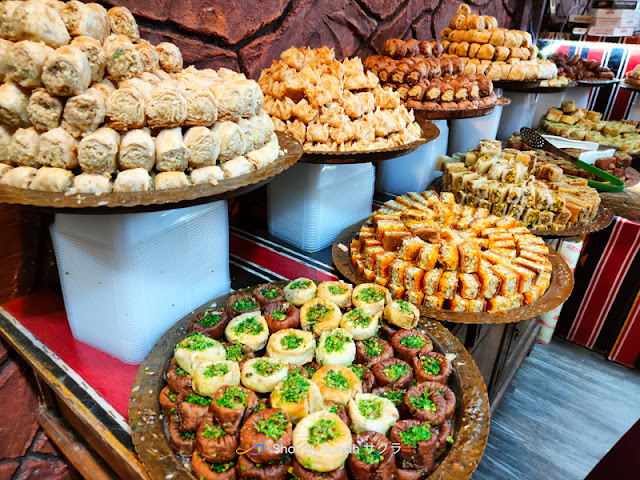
x=360, y=324
x=209, y=377
x=137, y=150
x=337, y=383
x=58, y=149
x=292, y=346
x=168, y=180
x=338, y=292
x=52, y=180
x=197, y=348
x=202, y=109
x=133, y=180
x=92, y=48
x=370, y=297
x=237, y=167
x=25, y=60
x=322, y=442
x=336, y=347
x=24, y=148
x=40, y=23
x=170, y=57
x=4, y=168
x=249, y=329
x=66, y=72
x=297, y=397
x=148, y=54
x=166, y=106
x=300, y=291
x=172, y=154
x=89, y=20
x=84, y=113
x=13, y=105
x=232, y=143
x=19, y=177
x=122, y=22
x=318, y=315
x=97, y=152
x=204, y=175
x=402, y=314
x=263, y=374
x=96, y=184
x=369, y=412
x=204, y=146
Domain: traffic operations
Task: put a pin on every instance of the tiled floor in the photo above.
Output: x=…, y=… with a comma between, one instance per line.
x=566, y=408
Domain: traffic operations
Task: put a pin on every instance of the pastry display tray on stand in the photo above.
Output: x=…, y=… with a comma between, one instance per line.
x=498, y=343
x=470, y=422
x=326, y=191
x=130, y=263
x=634, y=111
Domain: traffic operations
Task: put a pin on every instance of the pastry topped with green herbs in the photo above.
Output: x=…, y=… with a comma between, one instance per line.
x=264, y=373
x=371, y=297
x=360, y=323
x=319, y=315
x=292, y=346
x=300, y=291
x=338, y=292
x=242, y=303
x=281, y=315
x=336, y=347
x=250, y=329
x=337, y=383
x=209, y=322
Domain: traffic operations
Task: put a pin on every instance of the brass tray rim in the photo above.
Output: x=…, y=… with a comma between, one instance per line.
x=148, y=431
x=458, y=114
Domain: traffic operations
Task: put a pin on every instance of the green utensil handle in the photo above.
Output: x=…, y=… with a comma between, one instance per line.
x=615, y=185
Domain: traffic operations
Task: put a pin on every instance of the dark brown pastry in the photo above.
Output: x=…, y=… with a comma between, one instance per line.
x=269, y=427
x=236, y=352
x=214, y=443
x=182, y=443
x=485, y=85
x=432, y=367
x=415, y=104
x=449, y=398
x=417, y=92
x=177, y=378
x=210, y=322
x=413, y=47
x=444, y=432
x=403, y=91
x=242, y=303
x=407, y=343
x=431, y=105
x=426, y=403
x=449, y=105
x=393, y=372
x=168, y=401
x=386, y=73
x=365, y=375
x=418, y=444
x=264, y=471
x=302, y=473
x=232, y=405
x=373, y=63
x=446, y=67
x=436, y=48
x=372, y=350
x=396, y=396
x=280, y=315
x=399, y=76
x=192, y=409
x=339, y=410
x=425, y=49
x=372, y=457
x=387, y=331
x=417, y=73
x=203, y=470
x=268, y=293
x=395, y=48
x=456, y=65
x=465, y=105
x=409, y=474
x=433, y=66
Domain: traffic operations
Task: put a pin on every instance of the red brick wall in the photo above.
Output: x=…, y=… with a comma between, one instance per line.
x=248, y=34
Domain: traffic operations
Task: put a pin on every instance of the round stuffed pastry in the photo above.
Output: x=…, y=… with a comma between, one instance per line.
x=208, y=377
x=268, y=293
x=197, y=348
x=249, y=329
x=292, y=346
x=360, y=323
x=263, y=374
x=338, y=292
x=336, y=347
x=322, y=442
x=402, y=314
x=209, y=322
x=371, y=297
x=271, y=428
x=337, y=383
x=371, y=413
x=297, y=397
x=300, y=291
x=319, y=315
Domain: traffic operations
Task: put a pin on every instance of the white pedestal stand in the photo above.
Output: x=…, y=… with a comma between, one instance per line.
x=519, y=114
x=465, y=133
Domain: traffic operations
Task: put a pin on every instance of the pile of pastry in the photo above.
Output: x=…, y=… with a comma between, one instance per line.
x=329, y=105
x=633, y=77
x=499, y=53
x=432, y=251
x=578, y=68
x=311, y=382
x=425, y=79
x=582, y=124
x=514, y=183
x=83, y=94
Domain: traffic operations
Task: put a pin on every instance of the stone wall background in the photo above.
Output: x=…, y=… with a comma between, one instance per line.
x=246, y=35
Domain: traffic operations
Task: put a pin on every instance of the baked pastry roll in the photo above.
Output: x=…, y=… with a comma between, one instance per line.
x=249, y=329
x=172, y=153
x=297, y=397
x=300, y=291
x=338, y=292
x=370, y=297
x=232, y=143
x=237, y=167
x=166, y=106
x=19, y=177
x=4, y=168
x=360, y=324
x=9, y=27
x=322, y=442
x=40, y=23
x=212, y=175
x=24, y=148
x=204, y=146
x=402, y=314
x=5, y=46
x=432, y=367
x=230, y=101
x=13, y=105
x=209, y=377
x=133, y=180
x=196, y=348
x=123, y=58
x=97, y=152
x=58, y=149
x=292, y=346
x=371, y=413
x=122, y=22
x=263, y=374
x=96, y=184
x=271, y=428
x=265, y=155
x=67, y=72
x=25, y=60
x=84, y=113
x=148, y=54
x=336, y=347
x=213, y=443
x=319, y=315
x=92, y=48
x=337, y=383
x=89, y=20
x=168, y=180
x=126, y=106
x=137, y=150
x=202, y=108
x=170, y=57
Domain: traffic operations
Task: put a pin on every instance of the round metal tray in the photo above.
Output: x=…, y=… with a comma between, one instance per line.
x=559, y=290
x=531, y=87
x=457, y=114
x=626, y=86
x=597, y=83
x=470, y=422
x=429, y=132
x=111, y=203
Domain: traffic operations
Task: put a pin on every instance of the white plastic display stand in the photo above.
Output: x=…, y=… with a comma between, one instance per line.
x=415, y=171
x=545, y=102
x=309, y=204
x=465, y=133
x=520, y=113
x=580, y=95
x=126, y=278
x=634, y=111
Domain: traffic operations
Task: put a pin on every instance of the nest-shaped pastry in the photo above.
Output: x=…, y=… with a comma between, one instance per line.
x=264, y=471
x=177, y=378
x=387, y=331
x=432, y=367
x=168, y=400
x=418, y=444
x=297, y=396
x=241, y=303
x=372, y=457
x=268, y=293
x=319, y=315
x=322, y=441
x=216, y=471
x=369, y=412
x=281, y=315
x=426, y=403
x=272, y=428
x=210, y=322
x=402, y=314
x=249, y=329
x=302, y=473
x=360, y=324
x=449, y=398
x=339, y=410
x=236, y=352
x=292, y=346
x=338, y=292
x=443, y=438
x=197, y=348
x=337, y=383
x=396, y=396
x=262, y=374
x=182, y=443
x=370, y=297
x=365, y=375
x=393, y=372
x=231, y=406
x=192, y=410
x=214, y=443
x=300, y=291
x=336, y=347
x=373, y=350
x=408, y=343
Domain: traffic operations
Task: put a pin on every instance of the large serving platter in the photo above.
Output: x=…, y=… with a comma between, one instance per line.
x=429, y=132
x=291, y=151
x=470, y=423
x=558, y=291
x=457, y=113
x=531, y=87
